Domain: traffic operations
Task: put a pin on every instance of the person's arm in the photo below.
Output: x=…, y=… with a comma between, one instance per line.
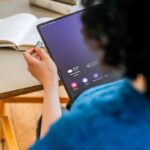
x=44, y=69
x=51, y=110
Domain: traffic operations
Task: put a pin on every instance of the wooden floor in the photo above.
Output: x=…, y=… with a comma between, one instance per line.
x=24, y=118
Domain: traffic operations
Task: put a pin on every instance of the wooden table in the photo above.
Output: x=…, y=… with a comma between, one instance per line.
x=10, y=7
x=14, y=77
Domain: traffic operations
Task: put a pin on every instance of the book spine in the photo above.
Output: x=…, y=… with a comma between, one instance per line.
x=55, y=6
x=71, y=2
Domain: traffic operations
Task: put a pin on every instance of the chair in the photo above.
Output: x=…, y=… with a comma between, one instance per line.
x=6, y=128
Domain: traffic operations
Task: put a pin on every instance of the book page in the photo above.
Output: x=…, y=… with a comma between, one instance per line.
x=32, y=37
x=73, y=2
x=15, y=27
x=1, y=20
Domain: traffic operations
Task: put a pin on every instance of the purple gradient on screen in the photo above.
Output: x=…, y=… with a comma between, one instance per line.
x=65, y=41
x=66, y=45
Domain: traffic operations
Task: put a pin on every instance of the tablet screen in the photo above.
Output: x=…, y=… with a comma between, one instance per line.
x=78, y=67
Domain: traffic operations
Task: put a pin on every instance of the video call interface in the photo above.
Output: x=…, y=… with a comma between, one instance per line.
x=77, y=65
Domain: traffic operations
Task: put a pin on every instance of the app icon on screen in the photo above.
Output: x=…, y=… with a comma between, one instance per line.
x=70, y=71
x=95, y=75
x=85, y=80
x=74, y=85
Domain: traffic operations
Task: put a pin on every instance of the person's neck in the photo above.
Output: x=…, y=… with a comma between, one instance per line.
x=140, y=84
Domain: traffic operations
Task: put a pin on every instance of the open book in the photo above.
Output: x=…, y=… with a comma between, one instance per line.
x=19, y=31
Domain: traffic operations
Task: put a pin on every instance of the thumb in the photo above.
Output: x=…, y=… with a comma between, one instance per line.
x=41, y=53
x=29, y=58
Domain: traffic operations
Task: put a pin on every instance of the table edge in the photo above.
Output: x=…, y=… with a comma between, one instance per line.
x=18, y=92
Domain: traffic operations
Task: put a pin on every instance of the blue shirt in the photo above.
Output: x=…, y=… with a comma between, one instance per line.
x=110, y=117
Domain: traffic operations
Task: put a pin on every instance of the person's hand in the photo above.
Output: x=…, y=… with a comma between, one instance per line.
x=41, y=66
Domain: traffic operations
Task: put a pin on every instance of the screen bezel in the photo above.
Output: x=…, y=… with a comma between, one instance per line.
x=59, y=73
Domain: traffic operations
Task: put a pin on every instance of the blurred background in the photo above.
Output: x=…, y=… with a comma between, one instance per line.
x=20, y=94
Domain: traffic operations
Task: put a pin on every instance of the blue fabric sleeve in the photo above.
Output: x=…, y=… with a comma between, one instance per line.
x=95, y=93
x=60, y=135
x=73, y=124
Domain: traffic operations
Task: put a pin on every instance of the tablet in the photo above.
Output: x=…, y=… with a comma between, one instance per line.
x=78, y=67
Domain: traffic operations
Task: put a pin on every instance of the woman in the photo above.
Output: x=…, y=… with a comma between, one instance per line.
x=113, y=116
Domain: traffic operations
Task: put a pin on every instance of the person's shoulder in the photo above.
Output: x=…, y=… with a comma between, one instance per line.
x=100, y=93
x=76, y=123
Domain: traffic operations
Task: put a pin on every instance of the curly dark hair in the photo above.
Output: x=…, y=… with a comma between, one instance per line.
x=126, y=25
